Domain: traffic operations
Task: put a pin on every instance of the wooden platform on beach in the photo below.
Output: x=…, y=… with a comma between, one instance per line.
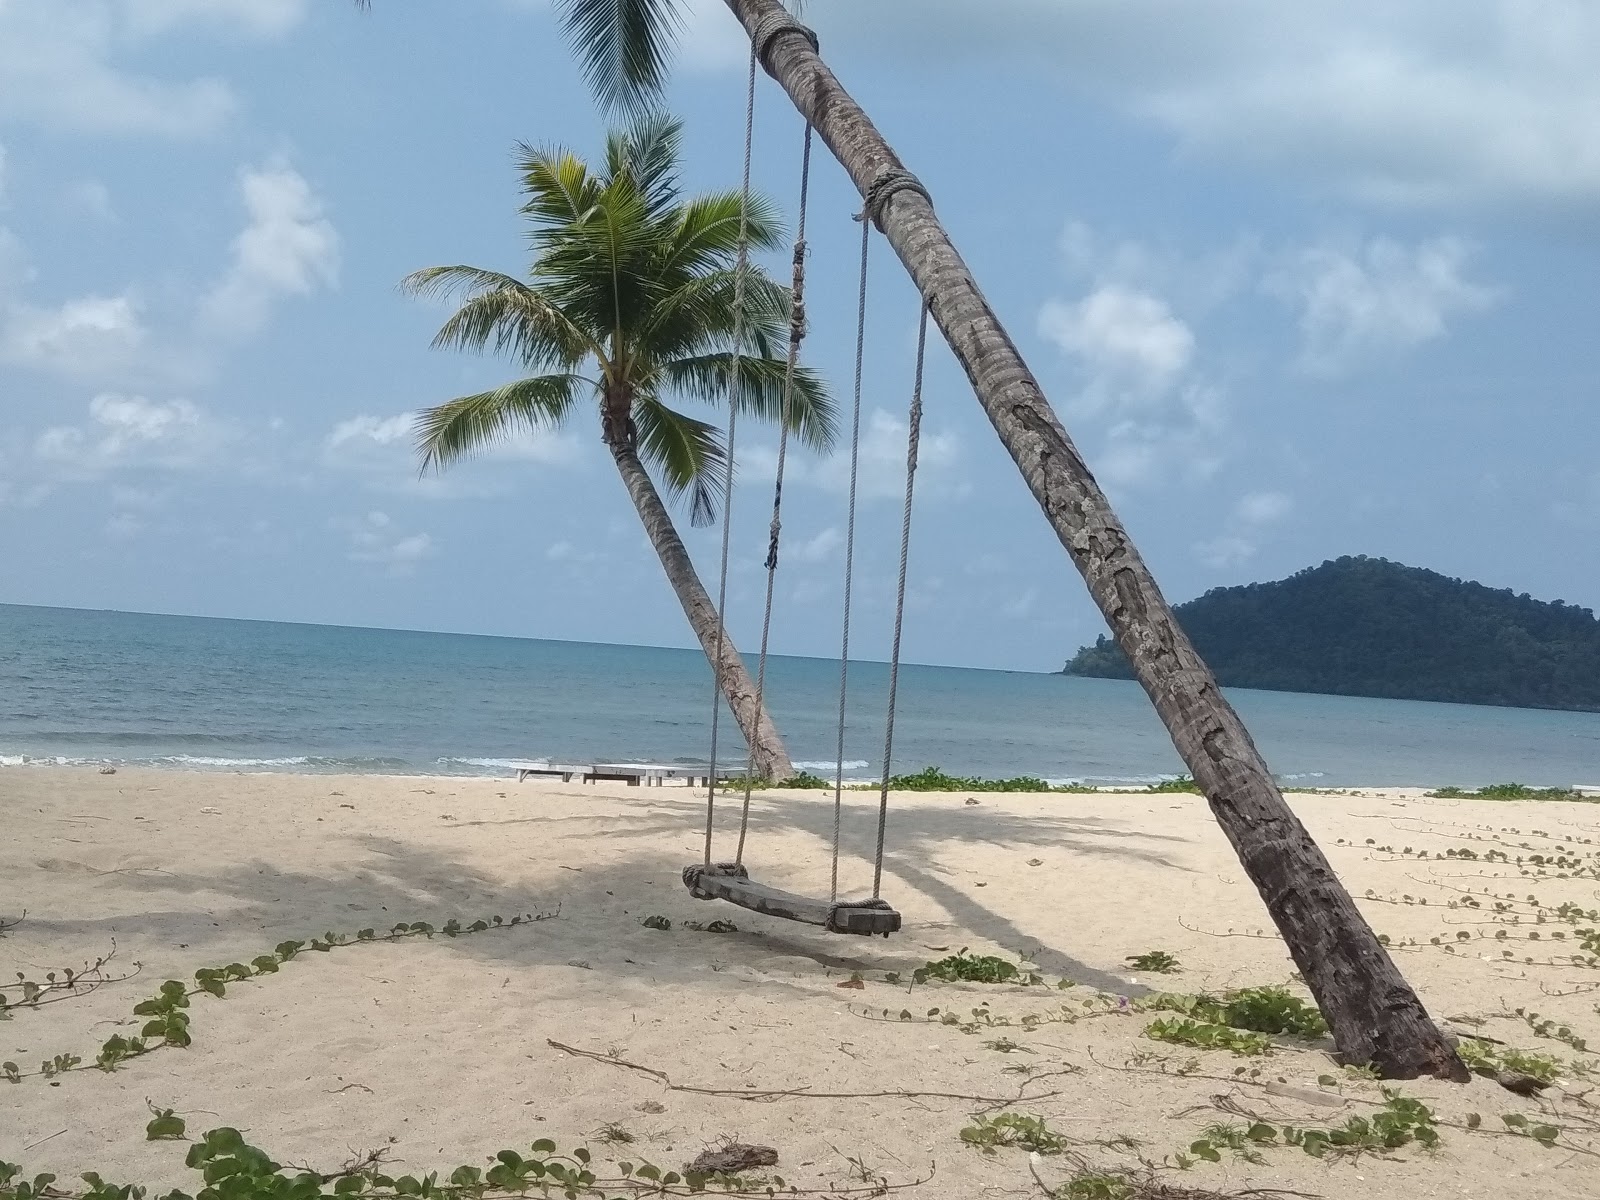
x=633, y=774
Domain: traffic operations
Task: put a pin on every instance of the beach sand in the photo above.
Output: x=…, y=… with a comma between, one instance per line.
x=439, y=1051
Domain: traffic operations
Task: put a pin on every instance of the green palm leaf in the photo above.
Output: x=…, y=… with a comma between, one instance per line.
x=811, y=413
x=503, y=312
x=624, y=45
x=467, y=424
x=688, y=455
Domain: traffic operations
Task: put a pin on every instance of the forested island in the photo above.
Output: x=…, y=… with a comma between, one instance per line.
x=1359, y=626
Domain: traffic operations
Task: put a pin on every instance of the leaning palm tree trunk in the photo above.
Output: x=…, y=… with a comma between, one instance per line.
x=1374, y=1015
x=771, y=759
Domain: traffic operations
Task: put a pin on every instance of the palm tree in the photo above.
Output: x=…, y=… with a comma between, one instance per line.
x=1375, y=1015
x=631, y=298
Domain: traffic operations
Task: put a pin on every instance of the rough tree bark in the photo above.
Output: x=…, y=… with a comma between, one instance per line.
x=1374, y=1014
x=771, y=758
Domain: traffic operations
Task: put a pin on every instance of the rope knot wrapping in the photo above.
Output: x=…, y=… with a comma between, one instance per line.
x=770, y=25
x=885, y=184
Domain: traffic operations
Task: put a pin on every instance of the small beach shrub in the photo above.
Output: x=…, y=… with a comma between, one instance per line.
x=1182, y=783
x=969, y=968
x=932, y=779
x=1013, y=1129
x=1271, y=1010
x=1509, y=791
x=1207, y=1035
x=1489, y=1060
x=1157, y=962
x=1256, y=1010
x=805, y=781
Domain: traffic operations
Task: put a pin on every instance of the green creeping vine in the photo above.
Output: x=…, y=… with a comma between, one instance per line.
x=232, y=1169
x=1400, y=1122
x=64, y=983
x=166, y=1021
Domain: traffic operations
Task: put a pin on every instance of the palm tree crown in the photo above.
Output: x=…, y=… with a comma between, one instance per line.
x=630, y=297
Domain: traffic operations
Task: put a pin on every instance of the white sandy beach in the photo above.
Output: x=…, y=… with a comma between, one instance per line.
x=439, y=1050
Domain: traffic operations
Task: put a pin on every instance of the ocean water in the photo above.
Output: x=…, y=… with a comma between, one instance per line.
x=80, y=686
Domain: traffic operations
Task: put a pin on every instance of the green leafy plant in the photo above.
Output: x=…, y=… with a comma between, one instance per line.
x=1401, y=1121
x=1098, y=1185
x=1205, y=1035
x=969, y=968
x=1546, y=1135
x=1157, y=962
x=1269, y=1009
x=1509, y=791
x=932, y=779
x=1013, y=1129
x=1181, y=783
x=231, y=1168
x=1489, y=1059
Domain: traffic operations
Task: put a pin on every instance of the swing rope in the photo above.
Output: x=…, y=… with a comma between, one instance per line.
x=850, y=547
x=797, y=333
x=741, y=266
x=913, y=439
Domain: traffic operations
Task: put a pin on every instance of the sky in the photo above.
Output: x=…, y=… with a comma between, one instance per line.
x=1301, y=280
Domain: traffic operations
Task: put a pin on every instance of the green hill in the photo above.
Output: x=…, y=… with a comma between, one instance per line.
x=1369, y=627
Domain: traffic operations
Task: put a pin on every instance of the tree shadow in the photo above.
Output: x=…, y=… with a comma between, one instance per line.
x=619, y=882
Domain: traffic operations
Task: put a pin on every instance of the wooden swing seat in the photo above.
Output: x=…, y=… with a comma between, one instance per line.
x=731, y=882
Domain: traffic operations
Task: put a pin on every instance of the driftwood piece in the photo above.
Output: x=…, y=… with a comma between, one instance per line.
x=731, y=882
x=732, y=1158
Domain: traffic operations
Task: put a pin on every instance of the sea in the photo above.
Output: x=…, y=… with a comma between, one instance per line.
x=88, y=687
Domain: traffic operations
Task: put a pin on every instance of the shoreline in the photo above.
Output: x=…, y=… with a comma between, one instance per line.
x=1146, y=786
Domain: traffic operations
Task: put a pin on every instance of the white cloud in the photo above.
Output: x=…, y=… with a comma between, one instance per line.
x=369, y=430
x=57, y=68
x=816, y=549
x=89, y=337
x=289, y=248
x=1140, y=391
x=1423, y=103
x=1263, y=508
x=373, y=539
x=1121, y=333
x=1246, y=526
x=259, y=18
x=1359, y=302
x=131, y=432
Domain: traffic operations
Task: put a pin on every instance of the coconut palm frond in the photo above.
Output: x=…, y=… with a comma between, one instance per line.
x=687, y=454
x=504, y=314
x=468, y=424
x=648, y=152
x=813, y=415
x=624, y=45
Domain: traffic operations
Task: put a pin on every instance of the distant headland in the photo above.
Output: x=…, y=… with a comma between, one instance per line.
x=1359, y=626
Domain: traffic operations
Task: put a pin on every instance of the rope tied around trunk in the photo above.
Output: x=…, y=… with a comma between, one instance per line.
x=887, y=183
x=774, y=24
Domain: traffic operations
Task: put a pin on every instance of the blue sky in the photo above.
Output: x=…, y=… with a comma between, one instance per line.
x=1302, y=281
